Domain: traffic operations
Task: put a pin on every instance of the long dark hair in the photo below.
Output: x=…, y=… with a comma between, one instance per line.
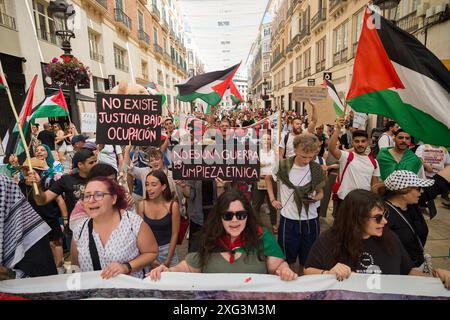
x=348, y=228
x=213, y=228
x=162, y=177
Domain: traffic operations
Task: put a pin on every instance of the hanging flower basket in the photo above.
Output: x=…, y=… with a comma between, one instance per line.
x=68, y=71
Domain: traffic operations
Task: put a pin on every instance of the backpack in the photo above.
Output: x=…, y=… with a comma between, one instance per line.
x=336, y=186
x=286, y=138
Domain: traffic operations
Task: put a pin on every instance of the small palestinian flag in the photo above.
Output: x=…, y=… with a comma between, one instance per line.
x=396, y=76
x=337, y=103
x=53, y=106
x=209, y=87
x=152, y=89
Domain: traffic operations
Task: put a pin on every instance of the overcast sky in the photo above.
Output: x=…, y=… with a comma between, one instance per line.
x=223, y=29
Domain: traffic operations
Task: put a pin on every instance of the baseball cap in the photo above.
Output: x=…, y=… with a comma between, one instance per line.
x=78, y=138
x=89, y=145
x=81, y=156
x=401, y=179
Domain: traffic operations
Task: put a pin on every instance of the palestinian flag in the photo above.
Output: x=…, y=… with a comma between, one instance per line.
x=209, y=87
x=337, y=103
x=53, y=106
x=3, y=83
x=152, y=89
x=234, y=93
x=396, y=76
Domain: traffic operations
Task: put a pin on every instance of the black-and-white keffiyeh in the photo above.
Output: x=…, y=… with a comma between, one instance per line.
x=20, y=226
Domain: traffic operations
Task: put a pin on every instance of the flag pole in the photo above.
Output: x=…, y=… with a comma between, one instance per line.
x=22, y=137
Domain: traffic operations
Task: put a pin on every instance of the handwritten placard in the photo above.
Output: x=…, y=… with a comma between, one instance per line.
x=306, y=93
x=235, y=162
x=88, y=122
x=122, y=119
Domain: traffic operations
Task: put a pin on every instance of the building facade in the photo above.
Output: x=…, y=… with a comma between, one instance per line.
x=317, y=36
x=139, y=41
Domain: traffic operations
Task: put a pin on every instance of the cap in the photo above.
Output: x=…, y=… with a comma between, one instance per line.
x=81, y=156
x=78, y=138
x=402, y=179
x=89, y=145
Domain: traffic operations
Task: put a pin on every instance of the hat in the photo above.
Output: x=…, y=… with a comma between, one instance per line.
x=402, y=179
x=81, y=156
x=36, y=163
x=78, y=138
x=89, y=145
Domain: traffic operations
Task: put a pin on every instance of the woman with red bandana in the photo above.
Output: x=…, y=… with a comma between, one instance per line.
x=233, y=242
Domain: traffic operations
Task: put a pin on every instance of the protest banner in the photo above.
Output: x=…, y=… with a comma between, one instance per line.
x=359, y=120
x=124, y=119
x=88, y=122
x=306, y=93
x=325, y=111
x=236, y=162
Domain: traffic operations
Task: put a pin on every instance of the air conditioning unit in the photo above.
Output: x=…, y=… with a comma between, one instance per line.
x=429, y=13
x=422, y=8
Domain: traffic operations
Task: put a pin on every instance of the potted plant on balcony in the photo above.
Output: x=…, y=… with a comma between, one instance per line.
x=68, y=71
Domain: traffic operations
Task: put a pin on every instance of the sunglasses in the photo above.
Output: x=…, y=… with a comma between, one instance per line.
x=379, y=217
x=240, y=215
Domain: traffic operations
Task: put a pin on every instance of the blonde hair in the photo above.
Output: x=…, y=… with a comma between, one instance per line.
x=307, y=142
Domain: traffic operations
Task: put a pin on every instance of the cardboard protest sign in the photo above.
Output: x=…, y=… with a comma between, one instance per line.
x=124, y=119
x=325, y=111
x=88, y=122
x=306, y=93
x=360, y=120
x=236, y=162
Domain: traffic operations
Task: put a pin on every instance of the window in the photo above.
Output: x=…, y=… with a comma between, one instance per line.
x=298, y=62
x=357, y=27
x=223, y=23
x=320, y=51
x=94, y=41
x=266, y=66
x=119, y=4
x=141, y=23
x=99, y=84
x=291, y=72
x=119, y=59
x=155, y=35
x=144, y=68
x=160, y=78
x=190, y=57
x=307, y=63
x=266, y=32
x=340, y=37
x=45, y=25
x=165, y=45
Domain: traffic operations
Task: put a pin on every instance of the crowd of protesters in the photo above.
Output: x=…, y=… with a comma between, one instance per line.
x=118, y=209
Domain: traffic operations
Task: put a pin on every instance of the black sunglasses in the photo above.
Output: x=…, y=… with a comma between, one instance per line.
x=379, y=217
x=240, y=215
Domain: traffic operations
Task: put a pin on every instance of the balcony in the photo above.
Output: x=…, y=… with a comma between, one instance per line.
x=409, y=23
x=320, y=65
x=49, y=37
x=96, y=56
x=278, y=57
x=304, y=33
x=165, y=26
x=7, y=21
x=289, y=12
x=167, y=58
x=155, y=12
x=291, y=79
x=172, y=34
x=298, y=77
x=121, y=66
x=158, y=51
x=318, y=18
x=144, y=39
x=101, y=6
x=334, y=4
x=307, y=72
x=123, y=22
x=144, y=2
x=340, y=57
x=293, y=43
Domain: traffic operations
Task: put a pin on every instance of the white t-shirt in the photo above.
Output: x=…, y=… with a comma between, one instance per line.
x=289, y=146
x=437, y=157
x=358, y=174
x=385, y=141
x=299, y=176
x=108, y=156
x=268, y=159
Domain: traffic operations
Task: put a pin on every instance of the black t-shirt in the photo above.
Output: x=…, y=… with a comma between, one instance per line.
x=374, y=258
x=415, y=218
x=72, y=186
x=47, y=138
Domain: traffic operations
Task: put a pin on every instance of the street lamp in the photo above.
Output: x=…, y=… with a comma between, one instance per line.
x=386, y=6
x=60, y=9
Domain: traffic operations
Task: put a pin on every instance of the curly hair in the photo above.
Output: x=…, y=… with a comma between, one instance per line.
x=348, y=227
x=213, y=228
x=114, y=189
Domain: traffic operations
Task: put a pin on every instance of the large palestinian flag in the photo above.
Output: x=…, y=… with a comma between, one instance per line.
x=209, y=87
x=396, y=76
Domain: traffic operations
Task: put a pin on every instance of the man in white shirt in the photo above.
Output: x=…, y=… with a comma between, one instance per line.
x=361, y=170
x=301, y=189
x=387, y=138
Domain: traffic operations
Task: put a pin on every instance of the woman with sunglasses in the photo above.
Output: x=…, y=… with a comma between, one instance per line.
x=111, y=239
x=360, y=243
x=405, y=193
x=233, y=242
